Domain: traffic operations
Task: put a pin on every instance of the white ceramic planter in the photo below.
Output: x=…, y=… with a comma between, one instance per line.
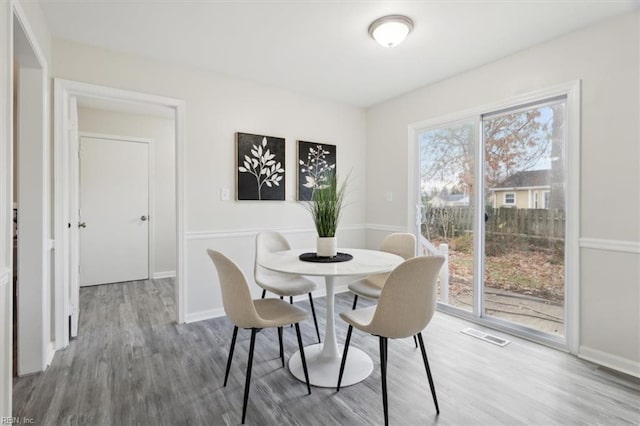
x=327, y=246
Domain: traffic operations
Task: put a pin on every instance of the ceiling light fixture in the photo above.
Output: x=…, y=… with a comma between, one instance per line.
x=390, y=30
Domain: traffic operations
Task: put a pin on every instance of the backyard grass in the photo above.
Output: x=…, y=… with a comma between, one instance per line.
x=523, y=270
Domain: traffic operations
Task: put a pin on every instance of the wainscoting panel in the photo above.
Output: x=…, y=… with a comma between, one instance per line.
x=610, y=304
x=203, y=295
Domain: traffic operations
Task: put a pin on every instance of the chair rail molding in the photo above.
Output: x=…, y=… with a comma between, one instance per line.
x=386, y=228
x=610, y=245
x=240, y=233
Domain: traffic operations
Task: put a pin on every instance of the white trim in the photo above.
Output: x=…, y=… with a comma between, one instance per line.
x=163, y=274
x=573, y=101
x=208, y=235
x=204, y=315
x=181, y=208
x=64, y=89
x=51, y=351
x=45, y=332
x=385, y=228
x=110, y=136
x=610, y=245
x=6, y=209
x=615, y=362
x=572, y=255
x=515, y=198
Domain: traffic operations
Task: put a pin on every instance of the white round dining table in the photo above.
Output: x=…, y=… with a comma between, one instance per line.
x=323, y=359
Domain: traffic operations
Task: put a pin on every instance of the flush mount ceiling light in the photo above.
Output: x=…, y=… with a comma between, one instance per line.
x=390, y=30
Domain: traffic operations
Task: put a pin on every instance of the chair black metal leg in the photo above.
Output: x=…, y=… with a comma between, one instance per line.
x=355, y=301
x=386, y=350
x=281, y=346
x=248, y=380
x=233, y=345
x=344, y=357
x=383, y=370
x=291, y=302
x=415, y=340
x=426, y=366
x=315, y=320
x=264, y=293
x=302, y=358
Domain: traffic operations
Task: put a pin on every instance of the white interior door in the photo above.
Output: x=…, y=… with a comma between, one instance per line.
x=114, y=206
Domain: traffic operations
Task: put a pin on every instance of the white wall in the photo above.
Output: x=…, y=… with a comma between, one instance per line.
x=605, y=58
x=216, y=108
x=162, y=132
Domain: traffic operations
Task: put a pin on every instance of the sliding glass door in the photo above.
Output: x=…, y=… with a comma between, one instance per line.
x=493, y=199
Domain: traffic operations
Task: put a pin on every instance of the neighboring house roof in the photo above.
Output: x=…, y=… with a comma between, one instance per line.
x=526, y=179
x=450, y=200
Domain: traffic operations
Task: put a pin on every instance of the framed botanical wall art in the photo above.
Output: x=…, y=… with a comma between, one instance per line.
x=314, y=160
x=260, y=167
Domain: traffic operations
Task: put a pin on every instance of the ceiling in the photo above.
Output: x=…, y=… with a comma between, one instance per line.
x=322, y=48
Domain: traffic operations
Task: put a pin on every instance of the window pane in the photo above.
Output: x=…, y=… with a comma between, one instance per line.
x=524, y=243
x=446, y=179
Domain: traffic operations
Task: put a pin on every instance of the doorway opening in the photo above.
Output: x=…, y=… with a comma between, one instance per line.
x=123, y=189
x=102, y=123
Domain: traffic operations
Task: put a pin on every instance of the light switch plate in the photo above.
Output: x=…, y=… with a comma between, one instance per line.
x=389, y=196
x=225, y=194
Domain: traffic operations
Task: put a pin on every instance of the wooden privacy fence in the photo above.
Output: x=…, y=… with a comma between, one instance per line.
x=451, y=222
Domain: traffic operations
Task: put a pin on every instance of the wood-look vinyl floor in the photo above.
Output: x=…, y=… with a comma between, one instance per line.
x=132, y=365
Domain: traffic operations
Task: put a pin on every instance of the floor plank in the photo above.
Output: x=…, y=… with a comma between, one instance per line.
x=132, y=365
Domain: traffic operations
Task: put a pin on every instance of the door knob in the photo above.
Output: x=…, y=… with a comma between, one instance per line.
x=82, y=225
x=143, y=218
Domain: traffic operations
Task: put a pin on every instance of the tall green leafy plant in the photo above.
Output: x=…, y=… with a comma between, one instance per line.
x=326, y=205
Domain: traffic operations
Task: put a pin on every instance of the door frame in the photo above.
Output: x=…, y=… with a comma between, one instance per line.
x=571, y=90
x=35, y=350
x=63, y=90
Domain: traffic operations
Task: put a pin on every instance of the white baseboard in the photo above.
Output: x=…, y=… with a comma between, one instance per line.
x=614, y=362
x=51, y=354
x=204, y=315
x=164, y=274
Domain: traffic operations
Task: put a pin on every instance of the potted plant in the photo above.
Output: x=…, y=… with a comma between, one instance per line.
x=327, y=202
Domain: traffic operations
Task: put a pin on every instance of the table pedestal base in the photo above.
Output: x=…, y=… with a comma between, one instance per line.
x=323, y=371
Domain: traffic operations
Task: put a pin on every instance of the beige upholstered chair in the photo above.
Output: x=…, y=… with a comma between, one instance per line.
x=253, y=314
x=282, y=285
x=406, y=305
x=402, y=244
